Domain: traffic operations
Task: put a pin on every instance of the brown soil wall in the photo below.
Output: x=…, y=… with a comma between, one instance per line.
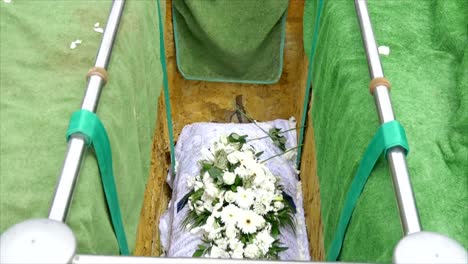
x=199, y=101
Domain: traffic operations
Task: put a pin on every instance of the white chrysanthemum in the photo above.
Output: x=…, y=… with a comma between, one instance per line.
x=230, y=196
x=206, y=154
x=278, y=205
x=244, y=197
x=212, y=190
x=236, y=244
x=260, y=208
x=264, y=240
x=260, y=176
x=190, y=181
x=222, y=243
x=265, y=197
x=217, y=252
x=268, y=186
x=242, y=172
x=216, y=211
x=230, y=214
x=212, y=228
x=231, y=232
x=248, y=221
x=235, y=157
x=238, y=254
x=251, y=251
x=198, y=186
x=199, y=207
x=229, y=178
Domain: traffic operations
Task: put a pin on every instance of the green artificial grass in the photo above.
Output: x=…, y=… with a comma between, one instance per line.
x=43, y=82
x=427, y=67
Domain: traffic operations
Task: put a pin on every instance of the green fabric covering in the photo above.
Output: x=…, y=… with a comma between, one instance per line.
x=427, y=67
x=230, y=40
x=42, y=84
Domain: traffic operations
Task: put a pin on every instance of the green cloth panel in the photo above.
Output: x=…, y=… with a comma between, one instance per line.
x=230, y=40
x=88, y=125
x=427, y=67
x=42, y=81
x=388, y=136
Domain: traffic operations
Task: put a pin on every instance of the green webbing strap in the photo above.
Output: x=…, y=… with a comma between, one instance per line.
x=88, y=124
x=388, y=136
x=162, y=57
x=305, y=106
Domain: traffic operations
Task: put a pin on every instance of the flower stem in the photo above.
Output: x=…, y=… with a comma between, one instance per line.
x=277, y=155
x=251, y=120
x=282, y=132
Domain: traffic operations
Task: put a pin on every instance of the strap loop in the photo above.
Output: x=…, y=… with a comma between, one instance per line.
x=98, y=71
x=90, y=126
x=389, y=135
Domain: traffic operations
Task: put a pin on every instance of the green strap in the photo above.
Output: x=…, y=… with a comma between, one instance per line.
x=388, y=136
x=88, y=124
x=305, y=106
x=162, y=57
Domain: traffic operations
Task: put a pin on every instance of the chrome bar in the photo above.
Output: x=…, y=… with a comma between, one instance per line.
x=396, y=157
x=77, y=145
x=95, y=259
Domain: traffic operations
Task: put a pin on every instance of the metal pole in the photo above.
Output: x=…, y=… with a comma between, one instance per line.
x=396, y=157
x=77, y=145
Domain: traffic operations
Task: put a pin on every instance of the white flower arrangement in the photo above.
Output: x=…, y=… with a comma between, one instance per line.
x=236, y=203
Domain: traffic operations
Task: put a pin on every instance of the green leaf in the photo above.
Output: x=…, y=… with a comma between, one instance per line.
x=238, y=181
x=258, y=154
x=275, y=231
x=198, y=253
x=233, y=188
x=215, y=172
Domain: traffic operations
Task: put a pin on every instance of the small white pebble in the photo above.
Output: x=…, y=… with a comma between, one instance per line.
x=99, y=30
x=7, y=1
x=96, y=25
x=384, y=50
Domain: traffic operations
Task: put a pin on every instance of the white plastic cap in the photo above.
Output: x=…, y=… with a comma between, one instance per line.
x=38, y=241
x=429, y=247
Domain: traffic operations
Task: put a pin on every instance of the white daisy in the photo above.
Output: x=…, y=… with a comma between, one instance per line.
x=244, y=197
x=249, y=222
x=230, y=214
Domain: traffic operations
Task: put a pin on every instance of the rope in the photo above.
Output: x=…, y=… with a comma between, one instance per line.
x=305, y=106
x=379, y=81
x=98, y=71
x=389, y=135
x=167, y=101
